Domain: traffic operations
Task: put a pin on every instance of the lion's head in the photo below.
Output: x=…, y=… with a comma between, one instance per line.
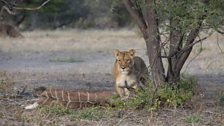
x=124, y=60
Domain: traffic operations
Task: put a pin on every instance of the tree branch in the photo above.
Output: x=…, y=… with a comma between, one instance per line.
x=153, y=40
x=190, y=43
x=188, y=46
x=10, y=7
x=8, y=3
x=32, y=8
x=136, y=14
x=7, y=10
x=185, y=48
x=219, y=31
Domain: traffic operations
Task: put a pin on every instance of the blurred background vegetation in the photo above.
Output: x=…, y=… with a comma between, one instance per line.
x=70, y=13
x=99, y=14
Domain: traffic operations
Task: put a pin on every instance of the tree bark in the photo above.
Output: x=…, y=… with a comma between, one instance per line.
x=152, y=40
x=190, y=39
x=176, y=43
x=136, y=15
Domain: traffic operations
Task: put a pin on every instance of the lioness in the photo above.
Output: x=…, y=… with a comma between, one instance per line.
x=129, y=72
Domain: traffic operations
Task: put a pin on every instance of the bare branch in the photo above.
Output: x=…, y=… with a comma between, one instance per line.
x=11, y=7
x=136, y=14
x=193, y=58
x=32, y=8
x=217, y=41
x=185, y=48
x=219, y=31
x=190, y=43
x=7, y=3
x=4, y=8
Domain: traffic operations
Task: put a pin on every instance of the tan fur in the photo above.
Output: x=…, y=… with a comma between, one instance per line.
x=129, y=72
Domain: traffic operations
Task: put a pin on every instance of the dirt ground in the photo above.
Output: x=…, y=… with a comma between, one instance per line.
x=80, y=59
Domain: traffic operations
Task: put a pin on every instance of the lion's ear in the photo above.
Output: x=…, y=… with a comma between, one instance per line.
x=132, y=52
x=116, y=53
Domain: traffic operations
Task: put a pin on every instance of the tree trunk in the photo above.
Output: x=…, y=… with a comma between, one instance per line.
x=155, y=60
x=176, y=43
x=152, y=39
x=150, y=31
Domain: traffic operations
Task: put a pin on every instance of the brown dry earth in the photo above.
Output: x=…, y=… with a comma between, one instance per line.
x=76, y=59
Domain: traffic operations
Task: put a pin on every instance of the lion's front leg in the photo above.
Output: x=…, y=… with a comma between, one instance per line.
x=120, y=91
x=126, y=93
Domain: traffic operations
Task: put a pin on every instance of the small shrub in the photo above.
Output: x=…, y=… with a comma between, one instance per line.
x=164, y=96
x=221, y=100
x=6, y=84
x=192, y=119
x=175, y=96
x=93, y=113
x=55, y=110
x=140, y=100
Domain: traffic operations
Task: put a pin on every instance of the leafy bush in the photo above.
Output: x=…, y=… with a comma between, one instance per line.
x=92, y=113
x=6, y=84
x=193, y=119
x=152, y=98
x=55, y=110
x=221, y=100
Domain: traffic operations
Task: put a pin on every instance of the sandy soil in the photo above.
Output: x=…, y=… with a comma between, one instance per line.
x=76, y=59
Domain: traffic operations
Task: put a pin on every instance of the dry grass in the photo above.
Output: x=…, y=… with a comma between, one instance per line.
x=6, y=84
x=71, y=40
